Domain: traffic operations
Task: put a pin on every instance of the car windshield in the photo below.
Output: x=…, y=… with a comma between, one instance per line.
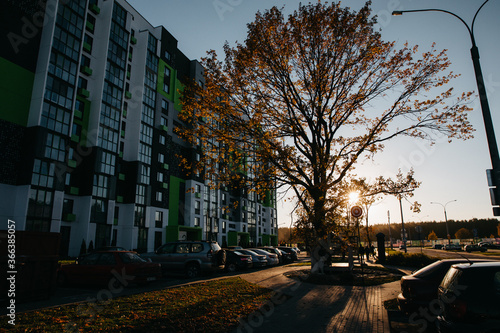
x=238, y=253
x=129, y=257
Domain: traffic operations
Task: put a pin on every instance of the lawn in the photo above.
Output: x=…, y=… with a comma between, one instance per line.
x=213, y=306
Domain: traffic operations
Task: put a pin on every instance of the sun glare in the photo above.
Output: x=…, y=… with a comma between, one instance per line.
x=353, y=197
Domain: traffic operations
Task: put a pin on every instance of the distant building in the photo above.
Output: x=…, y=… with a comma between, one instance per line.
x=89, y=93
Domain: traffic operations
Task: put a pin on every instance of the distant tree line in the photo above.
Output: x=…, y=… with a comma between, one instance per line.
x=486, y=228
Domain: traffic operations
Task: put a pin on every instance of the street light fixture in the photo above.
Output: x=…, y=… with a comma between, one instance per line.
x=493, y=174
x=445, y=218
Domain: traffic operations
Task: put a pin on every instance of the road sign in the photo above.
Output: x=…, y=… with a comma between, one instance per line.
x=356, y=211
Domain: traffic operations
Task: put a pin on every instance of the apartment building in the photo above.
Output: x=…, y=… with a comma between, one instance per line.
x=90, y=97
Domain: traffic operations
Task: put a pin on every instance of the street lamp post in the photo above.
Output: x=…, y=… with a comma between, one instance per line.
x=445, y=218
x=494, y=174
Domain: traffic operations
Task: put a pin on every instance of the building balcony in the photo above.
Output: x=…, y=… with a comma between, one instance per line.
x=119, y=199
x=75, y=138
x=128, y=95
x=89, y=26
x=133, y=40
x=164, y=128
x=87, y=47
x=95, y=9
x=121, y=176
x=84, y=92
x=164, y=185
x=78, y=114
x=69, y=217
x=165, y=166
x=86, y=70
x=72, y=163
x=74, y=190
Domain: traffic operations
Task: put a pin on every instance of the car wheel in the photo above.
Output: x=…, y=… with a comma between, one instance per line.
x=192, y=270
x=62, y=279
x=231, y=267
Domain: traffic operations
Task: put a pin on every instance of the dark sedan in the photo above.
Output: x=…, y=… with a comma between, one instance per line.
x=111, y=268
x=258, y=260
x=236, y=260
x=290, y=251
x=474, y=247
x=421, y=287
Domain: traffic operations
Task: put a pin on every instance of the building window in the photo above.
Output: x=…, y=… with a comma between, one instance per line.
x=196, y=221
x=168, y=56
x=161, y=158
x=162, y=139
x=159, y=177
x=166, y=80
x=55, y=148
x=159, y=219
x=164, y=121
x=164, y=106
x=159, y=196
x=43, y=174
x=197, y=207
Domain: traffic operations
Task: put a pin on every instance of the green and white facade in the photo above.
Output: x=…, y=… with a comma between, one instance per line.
x=89, y=103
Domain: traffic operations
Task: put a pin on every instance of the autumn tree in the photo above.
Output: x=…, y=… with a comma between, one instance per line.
x=432, y=236
x=308, y=96
x=463, y=233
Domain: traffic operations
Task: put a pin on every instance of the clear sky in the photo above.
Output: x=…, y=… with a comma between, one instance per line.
x=448, y=171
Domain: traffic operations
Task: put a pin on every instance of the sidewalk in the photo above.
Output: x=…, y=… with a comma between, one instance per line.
x=319, y=308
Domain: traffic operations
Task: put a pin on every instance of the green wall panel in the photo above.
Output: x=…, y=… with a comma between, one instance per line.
x=173, y=211
x=16, y=85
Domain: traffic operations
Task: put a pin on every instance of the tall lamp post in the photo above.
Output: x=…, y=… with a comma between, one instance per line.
x=445, y=218
x=494, y=174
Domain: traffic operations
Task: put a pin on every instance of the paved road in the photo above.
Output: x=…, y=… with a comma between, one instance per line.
x=442, y=254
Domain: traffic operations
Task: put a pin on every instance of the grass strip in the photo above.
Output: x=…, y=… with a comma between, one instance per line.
x=213, y=306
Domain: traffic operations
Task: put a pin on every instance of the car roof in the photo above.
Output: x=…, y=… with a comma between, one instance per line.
x=478, y=265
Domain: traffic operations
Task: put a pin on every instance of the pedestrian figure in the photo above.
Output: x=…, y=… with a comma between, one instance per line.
x=367, y=251
x=361, y=251
x=372, y=250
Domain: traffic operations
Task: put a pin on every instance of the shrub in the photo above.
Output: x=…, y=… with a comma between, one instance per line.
x=416, y=260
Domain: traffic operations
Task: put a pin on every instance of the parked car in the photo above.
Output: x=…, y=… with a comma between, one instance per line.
x=474, y=247
x=190, y=257
x=290, y=251
x=276, y=251
x=109, y=268
x=272, y=258
x=236, y=260
x=452, y=247
x=258, y=260
x=437, y=246
x=469, y=297
x=421, y=287
x=489, y=245
x=296, y=249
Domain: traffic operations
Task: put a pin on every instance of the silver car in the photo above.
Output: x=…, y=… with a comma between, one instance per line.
x=190, y=257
